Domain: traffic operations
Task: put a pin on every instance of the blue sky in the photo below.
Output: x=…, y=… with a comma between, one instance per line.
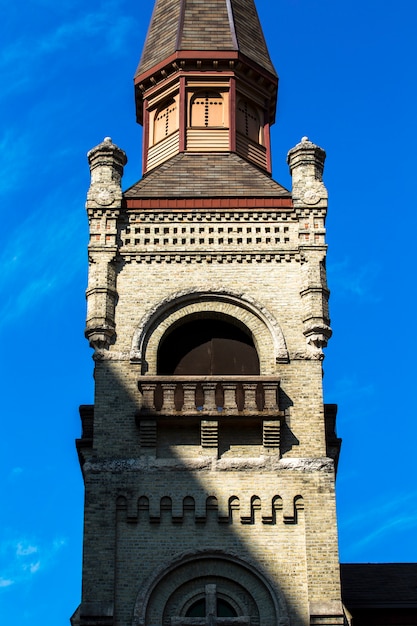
x=348, y=81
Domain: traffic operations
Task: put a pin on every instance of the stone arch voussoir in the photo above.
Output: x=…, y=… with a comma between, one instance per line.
x=193, y=569
x=266, y=332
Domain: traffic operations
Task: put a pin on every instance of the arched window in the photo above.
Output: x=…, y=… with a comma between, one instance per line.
x=247, y=120
x=208, y=347
x=166, y=120
x=209, y=590
x=207, y=109
x=199, y=608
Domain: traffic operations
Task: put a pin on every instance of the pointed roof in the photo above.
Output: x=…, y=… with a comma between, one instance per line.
x=195, y=175
x=215, y=25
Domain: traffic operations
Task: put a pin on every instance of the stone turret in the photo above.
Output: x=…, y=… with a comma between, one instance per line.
x=306, y=162
x=103, y=205
x=106, y=162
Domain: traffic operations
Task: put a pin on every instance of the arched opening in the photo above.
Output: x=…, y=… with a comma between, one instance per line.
x=208, y=347
x=207, y=110
x=166, y=120
x=209, y=588
x=247, y=121
x=223, y=609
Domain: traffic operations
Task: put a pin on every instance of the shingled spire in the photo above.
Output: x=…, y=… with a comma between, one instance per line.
x=205, y=82
x=189, y=25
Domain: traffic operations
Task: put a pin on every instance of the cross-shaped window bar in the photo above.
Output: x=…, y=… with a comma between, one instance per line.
x=211, y=611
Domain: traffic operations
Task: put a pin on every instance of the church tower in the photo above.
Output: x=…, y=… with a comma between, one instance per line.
x=208, y=457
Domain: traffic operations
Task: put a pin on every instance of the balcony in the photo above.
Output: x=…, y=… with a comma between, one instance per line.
x=210, y=396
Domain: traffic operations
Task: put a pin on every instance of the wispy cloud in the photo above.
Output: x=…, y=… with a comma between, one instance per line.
x=108, y=22
x=350, y=386
x=14, y=151
x=352, y=279
x=16, y=472
x=19, y=57
x=395, y=513
x=21, y=559
x=40, y=256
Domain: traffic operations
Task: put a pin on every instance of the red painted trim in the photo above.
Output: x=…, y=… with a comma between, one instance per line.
x=209, y=75
x=182, y=115
x=207, y=54
x=232, y=115
x=267, y=135
x=226, y=55
x=145, y=138
x=188, y=75
x=182, y=55
x=184, y=204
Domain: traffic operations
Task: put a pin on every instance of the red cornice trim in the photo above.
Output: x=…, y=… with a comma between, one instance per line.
x=145, y=138
x=267, y=132
x=181, y=55
x=182, y=115
x=232, y=115
x=197, y=55
x=184, y=204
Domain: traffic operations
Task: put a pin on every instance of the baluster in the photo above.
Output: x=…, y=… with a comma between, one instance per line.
x=271, y=390
x=189, y=397
x=229, y=389
x=147, y=390
x=169, y=397
x=250, y=397
x=209, y=389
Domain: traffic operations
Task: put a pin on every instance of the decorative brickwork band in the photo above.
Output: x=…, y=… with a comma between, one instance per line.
x=233, y=510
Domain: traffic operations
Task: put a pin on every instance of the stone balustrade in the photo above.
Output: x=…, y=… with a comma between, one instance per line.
x=209, y=396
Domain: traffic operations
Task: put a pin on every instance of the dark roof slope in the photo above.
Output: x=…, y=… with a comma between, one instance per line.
x=379, y=585
x=206, y=175
x=215, y=25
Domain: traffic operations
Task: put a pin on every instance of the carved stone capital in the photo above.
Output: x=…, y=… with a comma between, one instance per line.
x=106, y=162
x=100, y=338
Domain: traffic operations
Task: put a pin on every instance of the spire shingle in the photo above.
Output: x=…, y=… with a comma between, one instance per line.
x=213, y=25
